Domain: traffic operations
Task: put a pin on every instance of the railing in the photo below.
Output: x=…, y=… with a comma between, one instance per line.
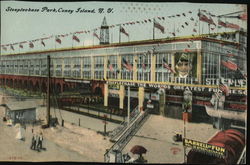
x=122, y=127
x=127, y=134
x=242, y=159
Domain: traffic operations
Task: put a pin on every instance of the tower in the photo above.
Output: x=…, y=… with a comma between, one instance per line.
x=104, y=32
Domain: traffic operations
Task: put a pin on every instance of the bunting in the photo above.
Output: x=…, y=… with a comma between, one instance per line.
x=4, y=48
x=94, y=34
x=31, y=45
x=42, y=43
x=11, y=46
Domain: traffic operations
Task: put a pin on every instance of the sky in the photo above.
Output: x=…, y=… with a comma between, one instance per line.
x=49, y=21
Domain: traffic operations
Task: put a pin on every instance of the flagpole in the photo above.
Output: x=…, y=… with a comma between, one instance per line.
x=209, y=28
x=120, y=34
x=154, y=29
x=72, y=40
x=199, y=22
x=55, y=42
x=93, y=39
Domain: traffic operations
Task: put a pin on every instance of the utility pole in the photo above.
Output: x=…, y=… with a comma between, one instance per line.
x=48, y=91
x=128, y=105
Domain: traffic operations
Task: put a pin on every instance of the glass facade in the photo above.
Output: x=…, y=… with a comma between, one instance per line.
x=112, y=67
x=98, y=67
x=127, y=67
x=163, y=74
x=206, y=59
x=86, y=68
x=144, y=67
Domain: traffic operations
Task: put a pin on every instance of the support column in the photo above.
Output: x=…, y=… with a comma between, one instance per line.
x=105, y=62
x=199, y=65
x=119, y=66
x=172, y=66
x=162, y=103
x=121, y=96
x=92, y=62
x=106, y=94
x=153, y=62
x=135, y=68
x=141, y=97
x=63, y=67
x=81, y=59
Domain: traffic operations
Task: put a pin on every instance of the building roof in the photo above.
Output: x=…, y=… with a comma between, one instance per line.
x=202, y=37
x=21, y=105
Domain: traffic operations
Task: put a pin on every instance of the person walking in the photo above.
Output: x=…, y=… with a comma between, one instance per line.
x=40, y=141
x=33, y=142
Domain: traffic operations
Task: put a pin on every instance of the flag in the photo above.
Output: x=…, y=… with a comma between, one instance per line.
x=224, y=88
x=221, y=23
x=230, y=65
x=94, y=34
x=110, y=66
x=75, y=38
x=126, y=64
x=204, y=18
x=58, y=40
x=20, y=46
x=187, y=50
x=11, y=46
x=232, y=26
x=165, y=65
x=159, y=26
x=43, y=43
x=243, y=16
x=122, y=30
x=230, y=55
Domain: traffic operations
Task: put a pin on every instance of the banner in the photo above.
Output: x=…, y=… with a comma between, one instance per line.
x=205, y=148
x=185, y=64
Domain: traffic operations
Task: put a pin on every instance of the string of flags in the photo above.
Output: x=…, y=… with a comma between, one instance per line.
x=203, y=15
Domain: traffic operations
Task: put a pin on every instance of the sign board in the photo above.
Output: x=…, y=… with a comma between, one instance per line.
x=150, y=106
x=77, y=81
x=155, y=96
x=205, y=148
